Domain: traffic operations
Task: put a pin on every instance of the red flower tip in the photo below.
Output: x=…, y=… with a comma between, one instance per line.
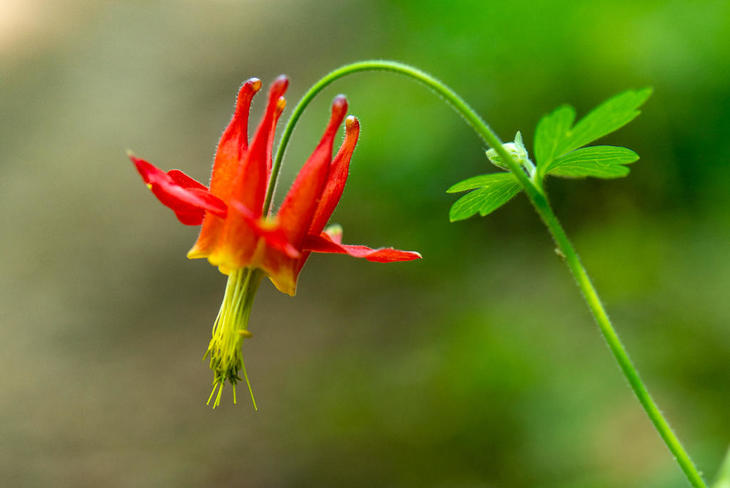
x=278, y=87
x=337, y=177
x=149, y=173
x=246, y=93
x=254, y=83
x=339, y=107
x=352, y=126
x=280, y=106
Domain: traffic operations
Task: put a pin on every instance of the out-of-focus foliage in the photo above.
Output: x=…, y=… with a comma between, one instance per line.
x=723, y=477
x=478, y=366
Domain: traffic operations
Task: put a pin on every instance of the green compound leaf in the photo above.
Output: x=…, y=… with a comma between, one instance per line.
x=551, y=132
x=554, y=136
x=596, y=161
x=492, y=191
x=557, y=143
x=608, y=117
x=478, y=182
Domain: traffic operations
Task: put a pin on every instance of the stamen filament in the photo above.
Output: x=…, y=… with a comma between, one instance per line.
x=229, y=331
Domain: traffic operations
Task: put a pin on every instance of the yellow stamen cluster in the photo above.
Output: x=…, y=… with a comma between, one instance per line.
x=229, y=331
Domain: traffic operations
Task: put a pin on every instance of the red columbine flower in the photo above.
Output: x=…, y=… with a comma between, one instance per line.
x=238, y=238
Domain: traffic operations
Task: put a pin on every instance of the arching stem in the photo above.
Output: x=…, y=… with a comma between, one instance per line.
x=539, y=200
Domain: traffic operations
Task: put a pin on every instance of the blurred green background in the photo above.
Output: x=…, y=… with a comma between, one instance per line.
x=476, y=367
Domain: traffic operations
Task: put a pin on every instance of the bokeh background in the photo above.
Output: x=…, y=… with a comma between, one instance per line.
x=476, y=367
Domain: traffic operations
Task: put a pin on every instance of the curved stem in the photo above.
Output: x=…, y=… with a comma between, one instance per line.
x=539, y=200
x=450, y=96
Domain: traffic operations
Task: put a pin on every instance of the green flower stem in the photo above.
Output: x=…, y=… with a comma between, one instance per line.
x=539, y=200
x=614, y=343
x=469, y=115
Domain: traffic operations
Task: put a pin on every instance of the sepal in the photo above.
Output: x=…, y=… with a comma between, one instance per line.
x=325, y=243
x=188, y=198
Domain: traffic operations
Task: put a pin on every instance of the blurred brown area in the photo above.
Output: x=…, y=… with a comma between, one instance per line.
x=478, y=366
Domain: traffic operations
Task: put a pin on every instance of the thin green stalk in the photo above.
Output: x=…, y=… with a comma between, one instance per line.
x=469, y=115
x=572, y=260
x=539, y=200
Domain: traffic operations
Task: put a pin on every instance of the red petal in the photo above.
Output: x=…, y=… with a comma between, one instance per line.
x=195, y=218
x=280, y=106
x=228, y=158
x=184, y=180
x=233, y=143
x=209, y=202
x=337, y=177
x=230, y=243
x=270, y=232
x=324, y=244
x=149, y=172
x=300, y=204
x=252, y=176
x=189, y=202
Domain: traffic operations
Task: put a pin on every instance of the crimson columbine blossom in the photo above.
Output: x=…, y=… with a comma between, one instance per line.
x=237, y=237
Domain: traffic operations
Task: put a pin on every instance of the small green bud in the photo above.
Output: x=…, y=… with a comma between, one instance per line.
x=517, y=150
